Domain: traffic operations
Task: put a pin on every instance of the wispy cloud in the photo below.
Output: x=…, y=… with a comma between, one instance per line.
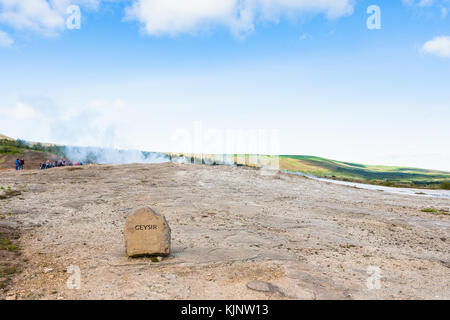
x=439, y=46
x=5, y=39
x=45, y=17
x=305, y=36
x=172, y=17
x=442, y=6
x=20, y=111
x=419, y=3
x=93, y=123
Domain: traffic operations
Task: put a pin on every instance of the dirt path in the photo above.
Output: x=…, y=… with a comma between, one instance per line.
x=311, y=239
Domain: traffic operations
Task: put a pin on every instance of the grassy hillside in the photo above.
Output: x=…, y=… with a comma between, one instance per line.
x=34, y=154
x=3, y=137
x=381, y=175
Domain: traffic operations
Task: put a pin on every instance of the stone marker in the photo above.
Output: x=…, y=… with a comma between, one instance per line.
x=147, y=233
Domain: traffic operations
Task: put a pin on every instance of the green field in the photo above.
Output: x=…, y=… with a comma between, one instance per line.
x=380, y=175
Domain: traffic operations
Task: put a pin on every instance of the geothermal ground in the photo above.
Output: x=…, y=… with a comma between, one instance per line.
x=230, y=225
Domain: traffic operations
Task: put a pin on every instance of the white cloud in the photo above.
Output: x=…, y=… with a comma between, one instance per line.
x=103, y=104
x=5, y=39
x=305, y=36
x=418, y=3
x=43, y=16
x=439, y=46
x=23, y=111
x=171, y=17
x=37, y=15
x=425, y=3
x=442, y=6
x=90, y=124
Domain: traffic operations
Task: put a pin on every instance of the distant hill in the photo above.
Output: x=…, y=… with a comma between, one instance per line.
x=380, y=175
x=3, y=137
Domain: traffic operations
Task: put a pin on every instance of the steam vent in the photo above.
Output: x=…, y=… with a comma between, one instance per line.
x=147, y=233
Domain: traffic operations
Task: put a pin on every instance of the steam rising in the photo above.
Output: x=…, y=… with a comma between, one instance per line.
x=120, y=156
x=113, y=156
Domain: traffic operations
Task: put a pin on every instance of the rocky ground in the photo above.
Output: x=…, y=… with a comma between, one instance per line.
x=230, y=226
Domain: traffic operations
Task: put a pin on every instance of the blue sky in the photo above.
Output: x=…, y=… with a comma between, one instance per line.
x=130, y=78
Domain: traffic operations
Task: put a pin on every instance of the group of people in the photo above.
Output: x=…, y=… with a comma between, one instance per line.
x=19, y=163
x=60, y=163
